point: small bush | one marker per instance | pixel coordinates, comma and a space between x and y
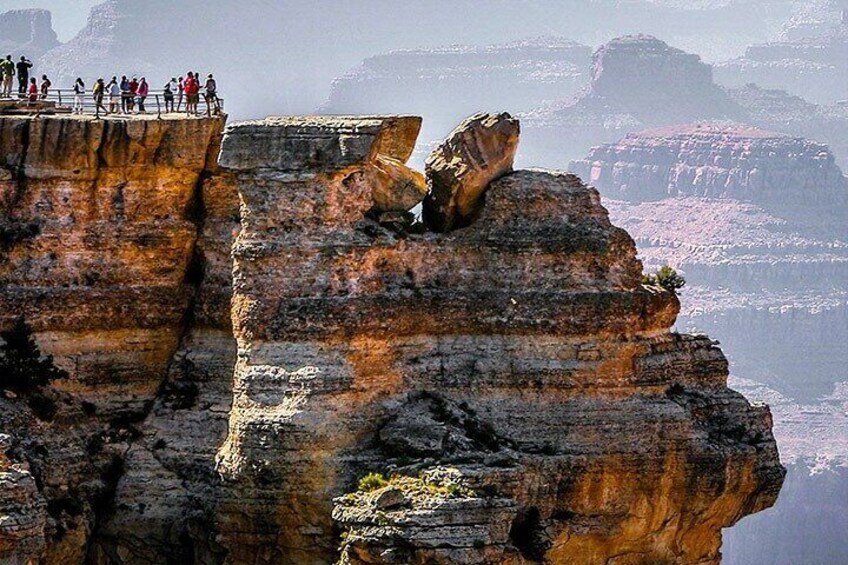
22, 368
372, 482
665, 277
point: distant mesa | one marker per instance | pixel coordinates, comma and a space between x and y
26, 32
715, 160
641, 82
448, 83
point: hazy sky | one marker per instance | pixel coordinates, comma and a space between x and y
69, 16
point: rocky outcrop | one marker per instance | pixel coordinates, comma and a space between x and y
115, 243
715, 161
26, 32
527, 381
777, 110
502, 371
479, 151
99, 228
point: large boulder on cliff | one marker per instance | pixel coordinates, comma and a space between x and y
480, 150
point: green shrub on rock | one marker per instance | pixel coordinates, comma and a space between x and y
665, 277
372, 482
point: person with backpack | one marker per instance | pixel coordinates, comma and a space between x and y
211, 96
133, 93
98, 92
168, 92
23, 67
79, 90
192, 90
143, 91
125, 95
7, 67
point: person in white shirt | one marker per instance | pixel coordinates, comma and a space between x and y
114, 95
79, 90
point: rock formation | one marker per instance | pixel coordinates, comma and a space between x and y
766, 265
640, 82
516, 381
715, 161
479, 151
26, 32
524, 365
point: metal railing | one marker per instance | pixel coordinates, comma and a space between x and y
155, 103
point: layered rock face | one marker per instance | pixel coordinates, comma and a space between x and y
715, 161
516, 365
98, 236
766, 265
27, 32
640, 82
514, 373
114, 242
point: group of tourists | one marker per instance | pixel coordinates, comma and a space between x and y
128, 96
125, 96
28, 87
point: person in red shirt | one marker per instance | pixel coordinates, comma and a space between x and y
192, 92
33, 90
133, 92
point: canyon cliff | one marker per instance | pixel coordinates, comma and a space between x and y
269, 361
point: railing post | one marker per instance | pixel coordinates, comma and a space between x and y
158, 107
60, 97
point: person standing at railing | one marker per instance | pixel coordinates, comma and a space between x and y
211, 96
114, 95
79, 90
168, 93
23, 67
7, 67
45, 86
133, 93
143, 91
180, 92
33, 90
98, 92
192, 92
125, 95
